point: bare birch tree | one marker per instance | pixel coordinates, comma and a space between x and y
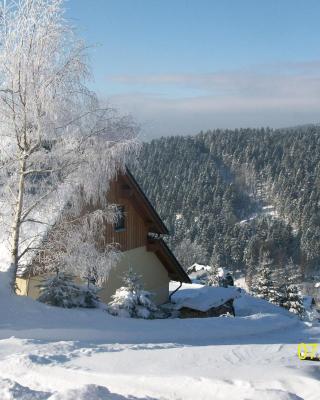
56, 141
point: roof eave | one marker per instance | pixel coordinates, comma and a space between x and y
165, 255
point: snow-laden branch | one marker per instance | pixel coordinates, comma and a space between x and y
58, 146
78, 247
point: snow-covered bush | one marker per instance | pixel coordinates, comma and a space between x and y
131, 300
61, 291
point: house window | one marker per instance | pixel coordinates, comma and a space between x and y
120, 222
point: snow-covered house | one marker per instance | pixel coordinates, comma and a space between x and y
198, 273
138, 232
198, 301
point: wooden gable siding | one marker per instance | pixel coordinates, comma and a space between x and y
136, 230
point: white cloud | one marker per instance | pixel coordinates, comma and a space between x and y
275, 95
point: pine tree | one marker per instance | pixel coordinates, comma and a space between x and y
61, 291
131, 300
294, 301
264, 287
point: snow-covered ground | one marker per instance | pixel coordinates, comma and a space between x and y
59, 354
266, 210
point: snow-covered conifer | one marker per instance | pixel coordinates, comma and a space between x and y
131, 300
61, 291
294, 300
263, 286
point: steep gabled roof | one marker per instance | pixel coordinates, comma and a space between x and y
142, 204
132, 191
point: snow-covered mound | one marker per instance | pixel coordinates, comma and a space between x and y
246, 305
89, 392
11, 390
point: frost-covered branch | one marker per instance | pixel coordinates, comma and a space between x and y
56, 140
78, 248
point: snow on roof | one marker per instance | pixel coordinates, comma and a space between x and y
198, 267
202, 298
197, 271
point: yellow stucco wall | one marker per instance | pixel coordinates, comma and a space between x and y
154, 276
29, 287
22, 286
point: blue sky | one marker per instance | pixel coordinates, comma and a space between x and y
180, 66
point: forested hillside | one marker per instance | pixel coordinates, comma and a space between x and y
230, 197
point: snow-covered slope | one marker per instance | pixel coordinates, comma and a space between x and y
24, 318
259, 366
52, 353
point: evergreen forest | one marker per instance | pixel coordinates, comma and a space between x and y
229, 197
